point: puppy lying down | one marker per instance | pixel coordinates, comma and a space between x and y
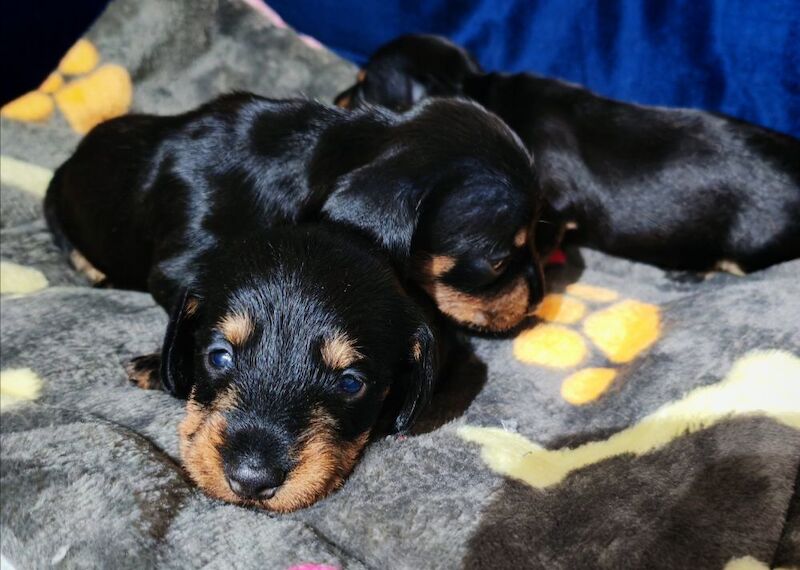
446, 191
285, 340
679, 188
288, 339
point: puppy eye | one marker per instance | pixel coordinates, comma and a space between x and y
220, 358
499, 264
351, 384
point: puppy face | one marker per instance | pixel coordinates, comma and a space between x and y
474, 250
288, 368
476, 257
456, 195
408, 69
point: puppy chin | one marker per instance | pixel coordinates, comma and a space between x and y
322, 461
497, 313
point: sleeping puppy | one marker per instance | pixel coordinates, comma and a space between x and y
678, 188
447, 191
286, 341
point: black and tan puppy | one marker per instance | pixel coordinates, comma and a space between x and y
446, 190
269, 327
286, 341
678, 188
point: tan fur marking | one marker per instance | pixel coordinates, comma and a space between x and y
202, 433
521, 237
143, 378
228, 400
361, 75
344, 102
497, 313
322, 460
339, 352
437, 265
323, 464
730, 267
236, 327
82, 265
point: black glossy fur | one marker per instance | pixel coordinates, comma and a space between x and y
678, 188
276, 422
422, 185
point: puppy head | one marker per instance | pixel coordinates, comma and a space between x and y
404, 71
287, 353
474, 254
474, 250
453, 199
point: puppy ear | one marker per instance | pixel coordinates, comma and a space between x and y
417, 91
421, 381
178, 349
388, 214
401, 92
395, 89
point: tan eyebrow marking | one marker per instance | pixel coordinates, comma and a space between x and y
339, 351
362, 75
236, 328
521, 237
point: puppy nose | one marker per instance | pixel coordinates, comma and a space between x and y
252, 480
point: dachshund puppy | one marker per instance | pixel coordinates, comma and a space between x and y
447, 191
678, 188
286, 340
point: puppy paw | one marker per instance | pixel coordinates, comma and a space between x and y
145, 371
82, 265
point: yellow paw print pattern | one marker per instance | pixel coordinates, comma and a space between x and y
85, 92
18, 385
620, 332
18, 279
765, 383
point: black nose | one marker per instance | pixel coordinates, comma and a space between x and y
251, 479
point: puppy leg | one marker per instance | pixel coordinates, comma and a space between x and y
730, 267
145, 371
82, 265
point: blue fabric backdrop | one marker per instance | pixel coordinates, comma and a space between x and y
740, 57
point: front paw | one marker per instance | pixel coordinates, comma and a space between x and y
145, 371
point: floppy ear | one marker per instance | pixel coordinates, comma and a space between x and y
417, 91
383, 203
402, 91
422, 379
178, 349
395, 89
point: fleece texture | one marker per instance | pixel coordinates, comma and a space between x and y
650, 420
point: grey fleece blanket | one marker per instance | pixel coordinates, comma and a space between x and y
646, 422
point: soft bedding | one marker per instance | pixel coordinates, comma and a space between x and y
650, 420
